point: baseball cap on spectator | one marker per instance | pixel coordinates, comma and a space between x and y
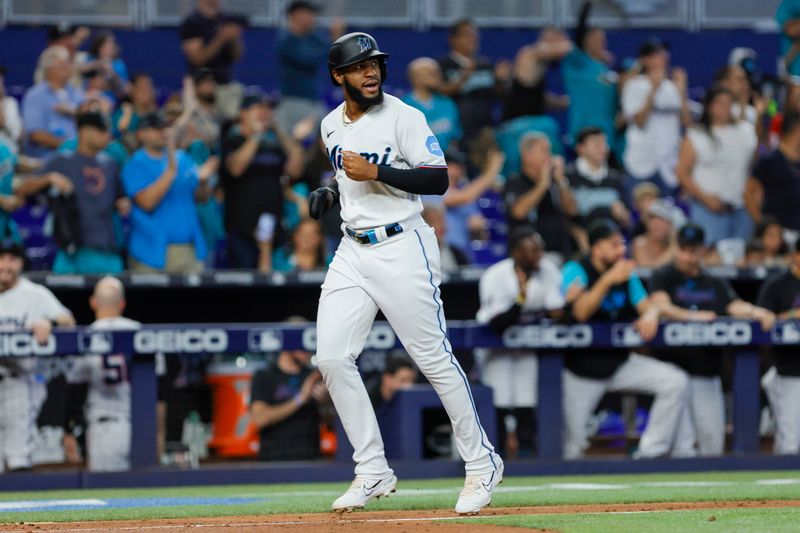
456, 156
643, 190
691, 235
602, 229
256, 99
668, 211
651, 46
152, 120
60, 31
92, 118
10, 246
203, 74
301, 4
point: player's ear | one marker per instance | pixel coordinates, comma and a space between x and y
338, 77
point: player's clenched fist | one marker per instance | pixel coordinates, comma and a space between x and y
358, 168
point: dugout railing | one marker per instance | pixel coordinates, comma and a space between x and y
549, 340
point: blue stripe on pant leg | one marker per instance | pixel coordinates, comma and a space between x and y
450, 353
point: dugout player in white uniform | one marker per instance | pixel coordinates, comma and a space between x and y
685, 292
523, 288
385, 156
24, 305
108, 401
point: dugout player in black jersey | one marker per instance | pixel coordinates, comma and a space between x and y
781, 295
685, 292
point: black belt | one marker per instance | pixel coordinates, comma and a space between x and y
103, 419
374, 236
4, 376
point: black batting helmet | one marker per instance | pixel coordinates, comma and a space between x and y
353, 48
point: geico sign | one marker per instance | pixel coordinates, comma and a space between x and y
23, 344
704, 334
576, 336
181, 341
381, 337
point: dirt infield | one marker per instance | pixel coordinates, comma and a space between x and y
433, 521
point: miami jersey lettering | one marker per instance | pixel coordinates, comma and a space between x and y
392, 134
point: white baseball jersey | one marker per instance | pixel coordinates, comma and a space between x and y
499, 288
393, 134
513, 374
109, 393
26, 303
21, 306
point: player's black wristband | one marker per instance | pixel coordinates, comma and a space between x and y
415, 180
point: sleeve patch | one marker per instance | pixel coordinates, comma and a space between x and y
433, 146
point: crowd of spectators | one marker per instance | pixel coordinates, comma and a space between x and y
216, 175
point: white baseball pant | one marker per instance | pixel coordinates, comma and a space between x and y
665, 381
400, 276
783, 393
16, 422
513, 379
703, 419
108, 443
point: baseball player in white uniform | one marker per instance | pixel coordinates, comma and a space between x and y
385, 156
108, 401
522, 288
24, 305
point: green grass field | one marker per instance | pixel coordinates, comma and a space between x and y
238, 500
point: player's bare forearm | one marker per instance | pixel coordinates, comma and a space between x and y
589, 302
265, 415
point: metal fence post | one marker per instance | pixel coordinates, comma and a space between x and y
144, 395
746, 402
550, 416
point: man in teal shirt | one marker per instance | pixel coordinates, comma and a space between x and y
8, 200
590, 82
788, 18
440, 111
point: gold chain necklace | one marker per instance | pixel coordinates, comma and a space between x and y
347, 121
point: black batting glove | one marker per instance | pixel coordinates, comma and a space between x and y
322, 200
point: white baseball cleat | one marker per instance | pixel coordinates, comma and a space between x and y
477, 491
362, 490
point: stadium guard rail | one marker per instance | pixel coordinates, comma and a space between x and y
548, 339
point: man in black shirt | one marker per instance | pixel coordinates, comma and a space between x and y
284, 406
781, 295
256, 155
211, 39
774, 188
540, 196
685, 292
471, 80
611, 291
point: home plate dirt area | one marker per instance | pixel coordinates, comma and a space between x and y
439, 521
